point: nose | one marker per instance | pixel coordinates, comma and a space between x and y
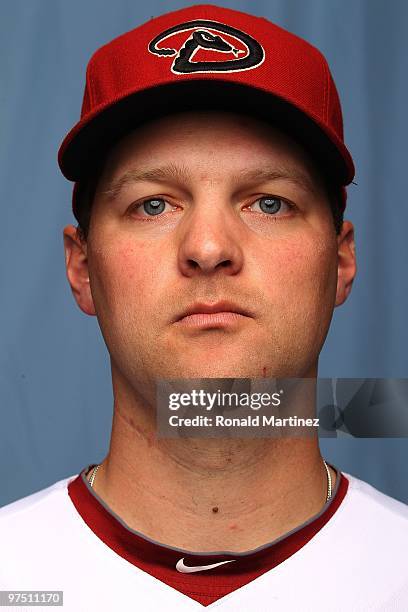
210, 243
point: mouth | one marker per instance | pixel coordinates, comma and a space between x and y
219, 314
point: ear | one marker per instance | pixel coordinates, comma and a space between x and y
76, 264
346, 266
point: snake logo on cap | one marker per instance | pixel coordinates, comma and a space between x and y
207, 40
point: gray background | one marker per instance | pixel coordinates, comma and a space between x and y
55, 388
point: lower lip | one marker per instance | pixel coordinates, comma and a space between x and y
215, 319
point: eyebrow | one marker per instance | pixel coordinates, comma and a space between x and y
162, 174
180, 174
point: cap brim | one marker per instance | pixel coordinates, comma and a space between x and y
90, 140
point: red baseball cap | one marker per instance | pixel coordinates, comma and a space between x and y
208, 57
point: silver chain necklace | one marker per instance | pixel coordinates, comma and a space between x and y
329, 482
329, 479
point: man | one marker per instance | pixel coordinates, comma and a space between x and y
210, 176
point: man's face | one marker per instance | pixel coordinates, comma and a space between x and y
203, 207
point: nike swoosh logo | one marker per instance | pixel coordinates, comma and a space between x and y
186, 569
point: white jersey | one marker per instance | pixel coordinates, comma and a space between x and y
352, 556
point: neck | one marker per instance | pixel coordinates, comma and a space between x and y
208, 494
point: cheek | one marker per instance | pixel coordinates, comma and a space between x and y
120, 281
301, 278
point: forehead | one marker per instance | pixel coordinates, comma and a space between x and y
216, 142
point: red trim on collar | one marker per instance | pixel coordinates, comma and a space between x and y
160, 560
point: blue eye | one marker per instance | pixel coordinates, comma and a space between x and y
272, 205
154, 206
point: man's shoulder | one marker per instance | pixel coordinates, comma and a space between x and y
41, 503
364, 495
368, 513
